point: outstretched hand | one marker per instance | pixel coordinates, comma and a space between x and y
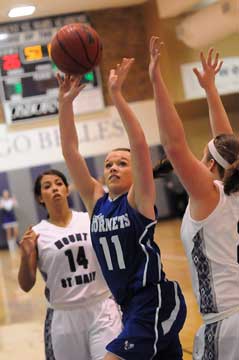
154, 50
117, 76
69, 87
210, 67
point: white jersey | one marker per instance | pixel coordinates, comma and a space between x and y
68, 264
7, 204
212, 247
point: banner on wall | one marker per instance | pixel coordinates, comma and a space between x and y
227, 80
21, 149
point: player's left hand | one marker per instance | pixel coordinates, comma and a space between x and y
210, 67
118, 75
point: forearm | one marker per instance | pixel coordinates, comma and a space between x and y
129, 120
68, 133
75, 162
219, 120
140, 154
170, 126
27, 273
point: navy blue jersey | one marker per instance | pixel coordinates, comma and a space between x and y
123, 241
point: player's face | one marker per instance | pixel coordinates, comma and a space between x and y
53, 190
5, 194
118, 172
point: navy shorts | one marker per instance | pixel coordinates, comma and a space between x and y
152, 322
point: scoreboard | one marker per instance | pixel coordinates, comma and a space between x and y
28, 85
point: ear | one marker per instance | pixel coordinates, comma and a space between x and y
40, 200
68, 191
211, 164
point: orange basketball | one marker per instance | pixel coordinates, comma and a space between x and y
76, 48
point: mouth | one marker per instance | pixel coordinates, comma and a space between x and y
56, 196
113, 177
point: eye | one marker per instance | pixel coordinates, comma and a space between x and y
107, 165
59, 183
46, 186
123, 163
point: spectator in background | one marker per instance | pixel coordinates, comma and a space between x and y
9, 222
176, 194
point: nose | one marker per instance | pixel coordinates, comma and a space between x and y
113, 168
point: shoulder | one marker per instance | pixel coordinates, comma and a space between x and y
43, 224
101, 202
82, 215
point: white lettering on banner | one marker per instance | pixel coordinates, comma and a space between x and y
39, 146
21, 111
227, 80
20, 149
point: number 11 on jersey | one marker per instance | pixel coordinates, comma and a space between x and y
118, 250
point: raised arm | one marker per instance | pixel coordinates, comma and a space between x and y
28, 262
219, 121
187, 166
142, 194
89, 188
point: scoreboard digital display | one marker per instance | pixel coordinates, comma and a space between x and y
28, 85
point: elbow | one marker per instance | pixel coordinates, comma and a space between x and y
26, 286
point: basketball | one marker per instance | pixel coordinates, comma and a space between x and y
76, 48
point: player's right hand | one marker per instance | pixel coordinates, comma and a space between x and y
69, 87
28, 242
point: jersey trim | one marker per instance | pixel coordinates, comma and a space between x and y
208, 303
156, 321
49, 352
145, 251
211, 338
167, 324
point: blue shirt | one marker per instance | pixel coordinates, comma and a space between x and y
123, 240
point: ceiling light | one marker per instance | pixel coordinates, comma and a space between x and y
21, 11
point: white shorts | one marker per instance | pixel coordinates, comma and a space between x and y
218, 341
83, 333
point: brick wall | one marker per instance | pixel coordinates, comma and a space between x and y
124, 35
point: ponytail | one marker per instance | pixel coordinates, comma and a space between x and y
231, 178
162, 168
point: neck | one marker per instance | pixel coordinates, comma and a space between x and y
114, 196
61, 217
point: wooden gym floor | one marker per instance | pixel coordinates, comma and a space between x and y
22, 314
